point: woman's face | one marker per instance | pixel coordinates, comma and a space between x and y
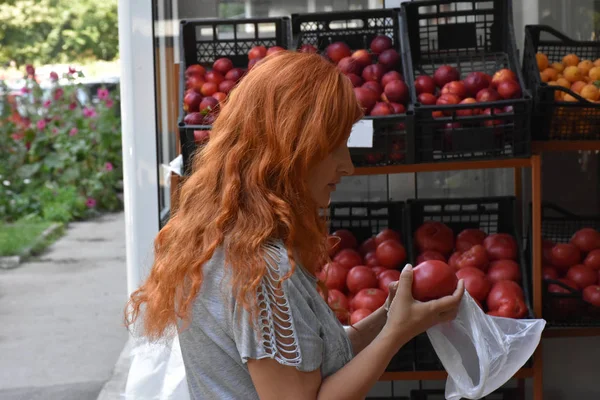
324, 177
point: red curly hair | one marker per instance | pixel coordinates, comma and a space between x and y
249, 185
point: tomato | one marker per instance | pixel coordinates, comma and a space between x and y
337, 300
547, 251
387, 234
582, 276
359, 315
501, 246
391, 254
387, 277
453, 260
504, 270
501, 291
586, 239
348, 258
593, 260
476, 283
565, 255
347, 239
475, 257
555, 288
334, 276
360, 277
550, 272
512, 307
434, 235
370, 299
469, 238
432, 280
371, 259
367, 246
591, 294
378, 270
430, 255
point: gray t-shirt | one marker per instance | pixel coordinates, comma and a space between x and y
298, 329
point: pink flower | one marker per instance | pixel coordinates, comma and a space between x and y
73, 132
54, 131
89, 112
110, 103
25, 90
103, 94
53, 76
58, 93
41, 124
72, 106
72, 71
108, 166
47, 103
90, 202
30, 70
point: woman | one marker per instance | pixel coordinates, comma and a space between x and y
235, 269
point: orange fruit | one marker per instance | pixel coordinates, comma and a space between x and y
577, 86
572, 74
564, 83
570, 60
542, 61
585, 67
568, 97
558, 95
558, 66
549, 74
597, 63
594, 73
590, 92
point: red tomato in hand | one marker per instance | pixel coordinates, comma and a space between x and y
337, 300
391, 254
501, 246
359, 278
334, 276
387, 234
453, 260
565, 255
469, 238
475, 257
367, 246
371, 259
547, 251
586, 240
348, 258
593, 260
550, 272
433, 280
371, 299
501, 291
502, 270
582, 276
430, 255
434, 235
476, 283
511, 307
359, 315
347, 239
387, 277
591, 294
555, 288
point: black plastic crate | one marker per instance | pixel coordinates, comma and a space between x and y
438, 394
565, 309
202, 41
472, 35
552, 119
391, 144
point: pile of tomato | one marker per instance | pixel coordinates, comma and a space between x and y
576, 265
358, 276
488, 264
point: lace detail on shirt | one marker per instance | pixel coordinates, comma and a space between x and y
275, 315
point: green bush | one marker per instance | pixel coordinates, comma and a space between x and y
59, 159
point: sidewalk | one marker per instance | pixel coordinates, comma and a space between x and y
61, 328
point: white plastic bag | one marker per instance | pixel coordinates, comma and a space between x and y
480, 352
157, 372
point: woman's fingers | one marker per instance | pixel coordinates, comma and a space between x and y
449, 302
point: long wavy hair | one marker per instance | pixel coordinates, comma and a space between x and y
249, 185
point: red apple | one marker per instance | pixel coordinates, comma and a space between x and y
194, 118
424, 84
191, 101
366, 98
391, 76
274, 49
492, 122
427, 99
209, 88
389, 58
398, 108
380, 44
468, 112
214, 77
476, 81
382, 108
355, 79
373, 72
374, 86
362, 57
445, 74
349, 65
308, 48
338, 50
195, 82
201, 136
447, 99
234, 75
222, 65
509, 89
455, 87
396, 91
195, 70
257, 52
253, 62
220, 96
485, 95
503, 75
226, 86
208, 103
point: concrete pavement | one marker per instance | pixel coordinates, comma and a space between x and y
61, 329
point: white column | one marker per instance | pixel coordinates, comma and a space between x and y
138, 125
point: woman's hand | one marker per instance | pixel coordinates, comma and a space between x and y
407, 316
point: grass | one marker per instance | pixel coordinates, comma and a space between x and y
16, 237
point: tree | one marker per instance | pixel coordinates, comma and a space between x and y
50, 31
